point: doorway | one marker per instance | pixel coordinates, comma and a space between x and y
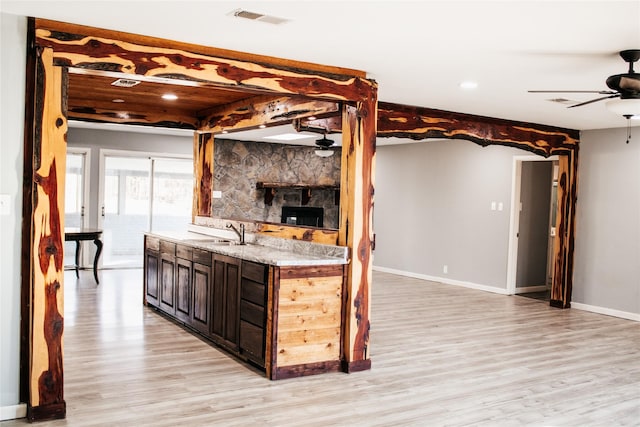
76, 210
532, 230
140, 193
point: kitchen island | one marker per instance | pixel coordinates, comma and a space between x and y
274, 303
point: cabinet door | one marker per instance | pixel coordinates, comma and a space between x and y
151, 289
183, 290
253, 302
226, 299
167, 280
201, 308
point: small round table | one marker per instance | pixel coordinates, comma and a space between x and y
74, 234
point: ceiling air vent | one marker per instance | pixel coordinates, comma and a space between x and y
254, 16
125, 83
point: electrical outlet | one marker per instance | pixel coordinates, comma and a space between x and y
5, 204
217, 194
445, 269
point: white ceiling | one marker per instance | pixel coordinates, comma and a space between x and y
417, 51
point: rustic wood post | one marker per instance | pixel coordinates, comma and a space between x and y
44, 236
356, 227
203, 174
565, 230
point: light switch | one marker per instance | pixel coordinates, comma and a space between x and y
500, 206
493, 206
5, 204
217, 194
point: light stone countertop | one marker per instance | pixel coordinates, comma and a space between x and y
256, 252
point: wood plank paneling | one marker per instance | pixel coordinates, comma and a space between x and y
309, 320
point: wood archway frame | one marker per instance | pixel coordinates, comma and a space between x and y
418, 123
55, 48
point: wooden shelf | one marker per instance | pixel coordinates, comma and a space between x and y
270, 189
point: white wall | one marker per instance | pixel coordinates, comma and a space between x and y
607, 254
12, 87
433, 208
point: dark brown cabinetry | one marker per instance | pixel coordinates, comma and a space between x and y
183, 283
225, 303
201, 295
253, 313
167, 276
151, 261
220, 297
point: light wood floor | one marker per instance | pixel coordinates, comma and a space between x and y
441, 355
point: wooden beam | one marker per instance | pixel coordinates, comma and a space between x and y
137, 39
419, 123
356, 227
562, 283
269, 111
307, 234
168, 120
84, 49
203, 175
45, 213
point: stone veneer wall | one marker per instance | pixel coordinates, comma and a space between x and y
238, 165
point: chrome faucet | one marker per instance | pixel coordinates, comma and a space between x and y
240, 232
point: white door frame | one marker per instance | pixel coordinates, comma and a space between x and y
86, 182
514, 222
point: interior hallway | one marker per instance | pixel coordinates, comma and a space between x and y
441, 355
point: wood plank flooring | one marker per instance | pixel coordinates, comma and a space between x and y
441, 356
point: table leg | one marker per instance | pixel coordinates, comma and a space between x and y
77, 257
98, 244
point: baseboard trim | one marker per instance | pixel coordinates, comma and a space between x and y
12, 412
606, 311
526, 289
444, 280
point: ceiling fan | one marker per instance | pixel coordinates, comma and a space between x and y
624, 86
323, 145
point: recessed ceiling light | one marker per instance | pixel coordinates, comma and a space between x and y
169, 97
262, 126
288, 136
117, 100
468, 85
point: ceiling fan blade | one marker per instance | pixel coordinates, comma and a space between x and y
631, 84
594, 100
601, 92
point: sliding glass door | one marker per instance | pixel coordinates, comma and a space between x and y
141, 194
75, 196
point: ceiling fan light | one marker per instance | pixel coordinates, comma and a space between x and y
324, 153
624, 107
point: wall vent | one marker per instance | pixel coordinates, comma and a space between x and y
254, 16
125, 83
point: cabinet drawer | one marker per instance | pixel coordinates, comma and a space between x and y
252, 340
184, 252
152, 243
252, 313
202, 256
252, 291
253, 271
167, 247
